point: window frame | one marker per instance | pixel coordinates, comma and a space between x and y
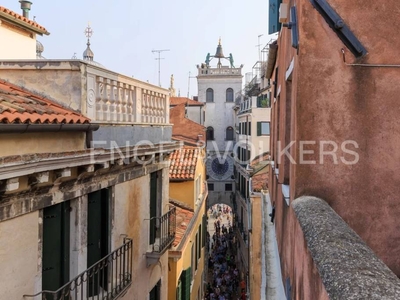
210, 136
230, 130
230, 91
209, 95
259, 128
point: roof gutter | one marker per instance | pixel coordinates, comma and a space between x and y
273, 50
25, 128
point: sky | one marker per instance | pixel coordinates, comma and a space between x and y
125, 33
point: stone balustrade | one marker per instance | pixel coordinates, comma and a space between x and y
125, 100
220, 71
105, 96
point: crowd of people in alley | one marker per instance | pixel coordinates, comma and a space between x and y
225, 279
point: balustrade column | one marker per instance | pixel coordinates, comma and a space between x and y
118, 101
138, 94
166, 109
124, 102
131, 110
113, 105
105, 100
99, 100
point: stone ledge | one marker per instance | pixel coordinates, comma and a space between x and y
348, 268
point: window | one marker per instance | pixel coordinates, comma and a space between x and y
263, 128
240, 128
229, 133
249, 128
273, 18
210, 95
210, 186
186, 279
196, 251
228, 187
210, 134
203, 241
155, 293
154, 205
55, 255
229, 95
199, 243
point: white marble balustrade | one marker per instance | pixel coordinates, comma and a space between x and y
125, 101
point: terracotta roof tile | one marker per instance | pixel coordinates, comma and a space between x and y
183, 163
183, 218
29, 22
21, 106
179, 100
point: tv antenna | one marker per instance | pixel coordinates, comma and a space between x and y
159, 63
259, 44
189, 83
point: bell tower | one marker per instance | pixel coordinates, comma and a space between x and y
218, 84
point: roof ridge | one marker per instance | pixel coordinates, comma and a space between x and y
180, 204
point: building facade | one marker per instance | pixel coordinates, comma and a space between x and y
84, 178
334, 136
188, 192
252, 145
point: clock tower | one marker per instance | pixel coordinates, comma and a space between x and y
218, 82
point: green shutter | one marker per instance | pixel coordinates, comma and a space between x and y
55, 255
258, 128
273, 16
153, 206
199, 242
196, 255
186, 278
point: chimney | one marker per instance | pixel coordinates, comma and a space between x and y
26, 7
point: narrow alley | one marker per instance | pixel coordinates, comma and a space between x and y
223, 278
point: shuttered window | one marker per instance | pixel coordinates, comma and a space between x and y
186, 278
263, 128
273, 16
203, 242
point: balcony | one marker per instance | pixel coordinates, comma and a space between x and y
165, 229
107, 279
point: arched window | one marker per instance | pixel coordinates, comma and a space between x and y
229, 95
210, 95
210, 134
229, 133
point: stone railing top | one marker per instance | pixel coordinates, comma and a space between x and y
220, 71
75, 64
348, 268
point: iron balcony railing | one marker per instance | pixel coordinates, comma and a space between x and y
107, 279
165, 227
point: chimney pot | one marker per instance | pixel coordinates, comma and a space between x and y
26, 7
